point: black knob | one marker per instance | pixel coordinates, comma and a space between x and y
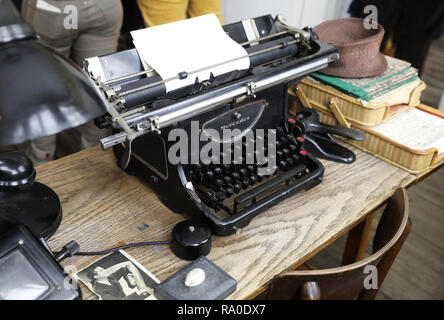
191, 239
16, 171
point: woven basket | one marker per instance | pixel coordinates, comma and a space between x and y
410, 160
354, 110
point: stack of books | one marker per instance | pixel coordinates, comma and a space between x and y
398, 73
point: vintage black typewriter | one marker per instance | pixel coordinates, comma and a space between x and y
227, 195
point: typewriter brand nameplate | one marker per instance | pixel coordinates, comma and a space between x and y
234, 124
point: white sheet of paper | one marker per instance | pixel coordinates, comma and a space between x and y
95, 67
187, 46
416, 129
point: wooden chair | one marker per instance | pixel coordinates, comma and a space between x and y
347, 282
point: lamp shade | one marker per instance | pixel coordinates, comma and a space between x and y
41, 91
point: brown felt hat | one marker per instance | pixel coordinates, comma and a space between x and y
359, 55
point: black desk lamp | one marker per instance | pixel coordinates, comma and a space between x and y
41, 93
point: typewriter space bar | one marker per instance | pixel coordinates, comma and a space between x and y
253, 193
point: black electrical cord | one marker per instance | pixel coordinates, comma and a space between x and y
131, 245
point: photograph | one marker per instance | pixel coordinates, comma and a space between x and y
118, 276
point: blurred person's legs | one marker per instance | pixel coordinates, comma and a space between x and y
42, 150
100, 29
97, 33
47, 19
156, 12
101, 35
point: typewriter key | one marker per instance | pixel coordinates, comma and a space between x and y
293, 148
227, 180
259, 178
209, 174
218, 182
283, 165
237, 187
221, 196
252, 179
243, 172
229, 192
235, 175
284, 140
217, 170
290, 161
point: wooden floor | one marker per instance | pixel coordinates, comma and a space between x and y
433, 74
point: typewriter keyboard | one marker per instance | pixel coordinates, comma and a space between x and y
231, 187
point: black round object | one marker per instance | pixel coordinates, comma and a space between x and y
37, 207
16, 170
191, 239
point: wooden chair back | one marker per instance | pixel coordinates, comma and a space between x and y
347, 282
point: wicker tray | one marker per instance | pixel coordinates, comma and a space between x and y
356, 111
410, 160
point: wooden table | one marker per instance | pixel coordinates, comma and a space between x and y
104, 208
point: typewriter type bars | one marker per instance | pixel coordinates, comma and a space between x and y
140, 110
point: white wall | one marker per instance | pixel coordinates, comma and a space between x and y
299, 13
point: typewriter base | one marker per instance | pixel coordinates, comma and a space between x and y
175, 196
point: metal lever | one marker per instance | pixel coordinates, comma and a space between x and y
308, 120
327, 148
282, 25
318, 136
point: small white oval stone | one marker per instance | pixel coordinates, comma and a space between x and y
195, 277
